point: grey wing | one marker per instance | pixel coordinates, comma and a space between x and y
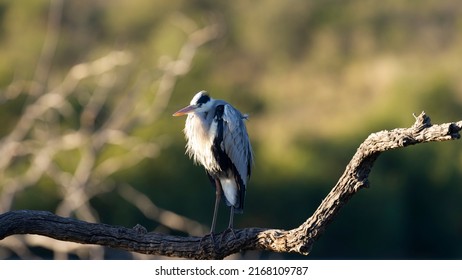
236, 141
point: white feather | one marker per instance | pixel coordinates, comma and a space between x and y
229, 190
199, 142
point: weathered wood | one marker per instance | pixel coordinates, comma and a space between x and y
299, 240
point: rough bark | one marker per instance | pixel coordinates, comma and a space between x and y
297, 240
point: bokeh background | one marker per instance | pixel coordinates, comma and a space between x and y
88, 89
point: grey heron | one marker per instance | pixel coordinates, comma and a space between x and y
217, 139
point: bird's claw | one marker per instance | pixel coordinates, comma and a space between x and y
225, 233
205, 237
223, 238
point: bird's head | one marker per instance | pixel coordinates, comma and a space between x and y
201, 102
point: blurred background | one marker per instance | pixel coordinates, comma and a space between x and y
88, 89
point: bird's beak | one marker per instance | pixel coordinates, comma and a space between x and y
185, 110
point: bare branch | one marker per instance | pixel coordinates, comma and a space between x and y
48, 49
164, 217
298, 240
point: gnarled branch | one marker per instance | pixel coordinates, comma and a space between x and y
298, 240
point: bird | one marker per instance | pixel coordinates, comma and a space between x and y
217, 139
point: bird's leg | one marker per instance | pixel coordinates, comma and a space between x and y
231, 218
230, 226
231, 222
218, 194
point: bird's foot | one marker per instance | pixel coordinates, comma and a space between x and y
224, 234
204, 238
223, 238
